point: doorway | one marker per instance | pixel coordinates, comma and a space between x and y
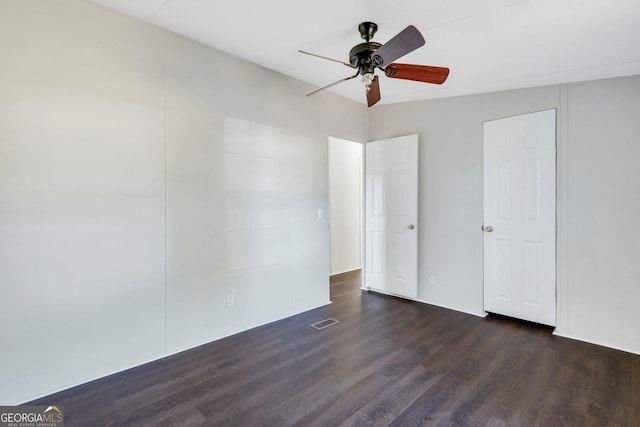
345, 205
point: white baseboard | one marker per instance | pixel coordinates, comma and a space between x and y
165, 355
571, 337
482, 314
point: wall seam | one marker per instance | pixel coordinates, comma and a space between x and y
164, 133
562, 237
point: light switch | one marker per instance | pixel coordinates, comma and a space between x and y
320, 214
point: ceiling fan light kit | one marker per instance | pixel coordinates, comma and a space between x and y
367, 56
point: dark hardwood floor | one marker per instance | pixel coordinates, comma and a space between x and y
388, 362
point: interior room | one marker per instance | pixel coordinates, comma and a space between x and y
165, 197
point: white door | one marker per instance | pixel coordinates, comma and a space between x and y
391, 215
520, 217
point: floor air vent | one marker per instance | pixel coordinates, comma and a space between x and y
325, 323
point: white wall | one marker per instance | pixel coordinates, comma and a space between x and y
601, 235
81, 196
598, 199
247, 170
345, 204
143, 177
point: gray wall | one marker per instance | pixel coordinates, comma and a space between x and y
143, 178
598, 199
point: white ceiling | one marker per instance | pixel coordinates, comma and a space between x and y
489, 45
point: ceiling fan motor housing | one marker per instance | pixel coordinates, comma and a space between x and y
360, 56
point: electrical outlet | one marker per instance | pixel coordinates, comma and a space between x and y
432, 279
230, 300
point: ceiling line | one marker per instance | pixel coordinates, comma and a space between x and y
153, 15
564, 71
462, 18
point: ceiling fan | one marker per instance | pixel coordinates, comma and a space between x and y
367, 56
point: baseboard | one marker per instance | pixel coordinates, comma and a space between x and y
626, 350
345, 274
484, 314
166, 355
378, 291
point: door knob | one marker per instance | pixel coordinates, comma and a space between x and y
411, 226
488, 228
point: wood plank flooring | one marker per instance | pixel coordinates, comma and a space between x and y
388, 362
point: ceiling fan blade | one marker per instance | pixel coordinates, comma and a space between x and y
330, 59
335, 83
402, 43
419, 73
373, 92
